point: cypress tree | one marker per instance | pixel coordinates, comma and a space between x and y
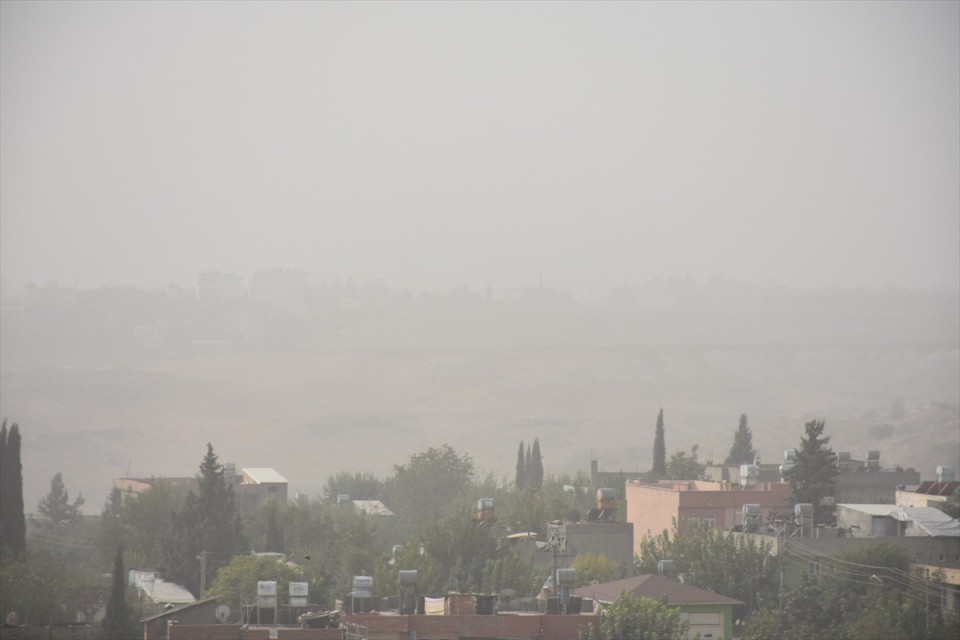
116, 623
521, 479
527, 465
536, 466
814, 473
3, 487
742, 451
659, 469
13, 530
207, 521
275, 540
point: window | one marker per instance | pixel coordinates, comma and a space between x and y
693, 523
709, 522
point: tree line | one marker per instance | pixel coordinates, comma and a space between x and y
435, 531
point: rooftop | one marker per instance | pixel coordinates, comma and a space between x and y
654, 587
175, 610
264, 475
159, 590
931, 520
932, 488
372, 507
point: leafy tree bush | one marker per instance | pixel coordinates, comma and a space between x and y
457, 553
951, 506
358, 485
423, 488
56, 505
238, 580
633, 618
862, 594
685, 467
599, 567
140, 523
733, 565
36, 584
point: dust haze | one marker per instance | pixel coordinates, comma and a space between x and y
324, 236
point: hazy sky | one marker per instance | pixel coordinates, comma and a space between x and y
428, 145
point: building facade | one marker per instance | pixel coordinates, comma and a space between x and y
689, 505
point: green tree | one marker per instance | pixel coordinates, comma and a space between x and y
763, 624
527, 512
13, 532
142, 523
238, 579
735, 566
424, 487
36, 584
659, 469
359, 486
742, 451
56, 505
507, 571
814, 473
274, 538
265, 528
633, 618
521, 478
808, 614
535, 470
117, 623
685, 467
951, 506
207, 521
591, 566
450, 554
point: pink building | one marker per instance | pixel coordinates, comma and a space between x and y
692, 504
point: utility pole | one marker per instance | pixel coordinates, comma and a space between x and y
203, 572
781, 534
781, 528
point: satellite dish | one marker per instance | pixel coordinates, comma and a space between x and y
223, 612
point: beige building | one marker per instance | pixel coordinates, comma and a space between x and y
693, 504
258, 486
926, 494
252, 487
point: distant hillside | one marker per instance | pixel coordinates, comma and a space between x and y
362, 389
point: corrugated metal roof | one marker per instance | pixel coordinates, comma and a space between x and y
264, 475
933, 521
176, 610
371, 507
870, 509
654, 587
159, 590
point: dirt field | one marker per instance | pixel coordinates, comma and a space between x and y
311, 413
